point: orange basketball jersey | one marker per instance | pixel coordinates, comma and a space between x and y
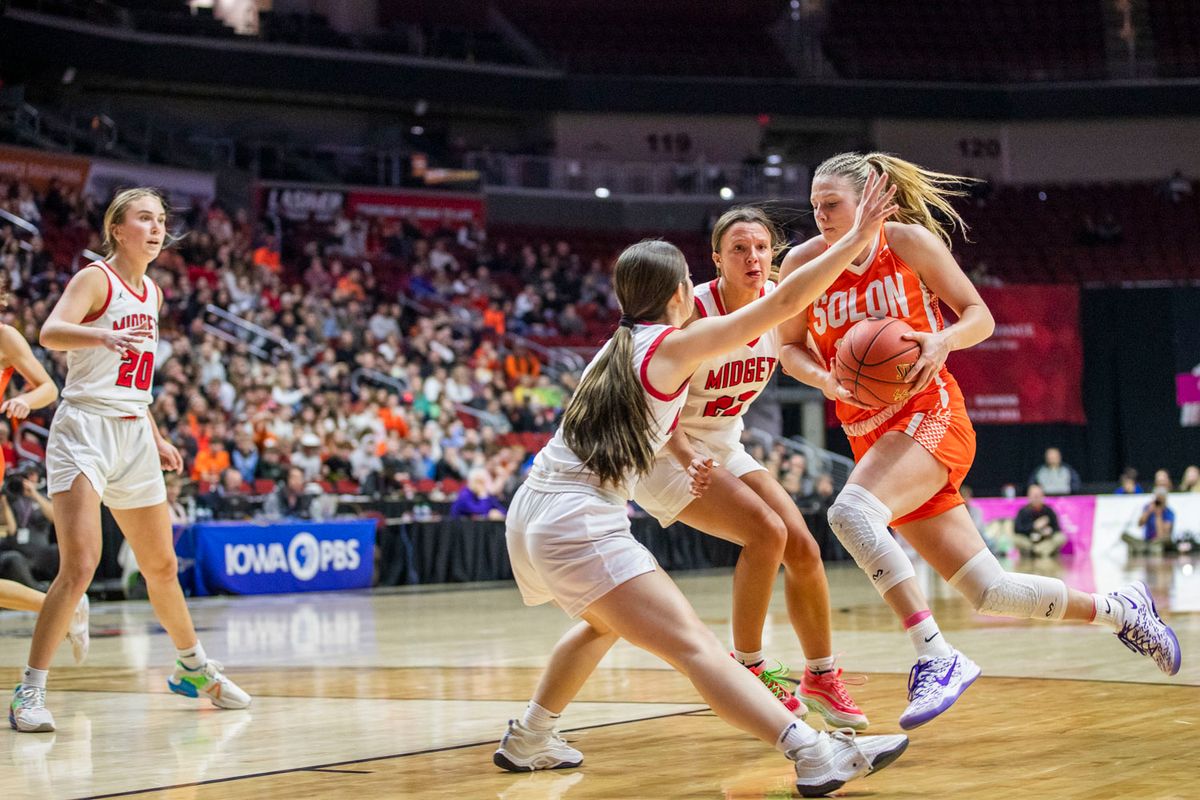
886, 287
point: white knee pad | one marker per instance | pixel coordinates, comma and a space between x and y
860, 521
997, 593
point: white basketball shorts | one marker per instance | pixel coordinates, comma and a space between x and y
117, 455
571, 548
665, 491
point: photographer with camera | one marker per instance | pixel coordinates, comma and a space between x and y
29, 520
1157, 523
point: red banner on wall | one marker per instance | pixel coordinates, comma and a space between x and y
38, 168
427, 210
1031, 369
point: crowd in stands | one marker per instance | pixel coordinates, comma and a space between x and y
392, 367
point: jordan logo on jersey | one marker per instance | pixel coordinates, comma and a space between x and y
882, 298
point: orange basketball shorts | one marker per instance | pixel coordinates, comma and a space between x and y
937, 420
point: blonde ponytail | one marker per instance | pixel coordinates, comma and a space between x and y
919, 192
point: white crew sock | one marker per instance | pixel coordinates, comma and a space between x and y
34, 677
928, 640
193, 657
539, 719
794, 736
749, 659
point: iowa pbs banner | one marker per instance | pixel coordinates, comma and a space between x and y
246, 558
1031, 369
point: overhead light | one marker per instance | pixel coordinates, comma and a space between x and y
726, 193
774, 158
417, 130
602, 192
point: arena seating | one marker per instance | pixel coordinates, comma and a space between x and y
1008, 40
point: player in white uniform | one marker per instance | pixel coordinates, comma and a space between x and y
744, 504
569, 538
105, 446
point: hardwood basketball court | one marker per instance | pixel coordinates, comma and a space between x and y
405, 694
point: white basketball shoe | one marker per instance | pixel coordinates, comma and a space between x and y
838, 757
525, 750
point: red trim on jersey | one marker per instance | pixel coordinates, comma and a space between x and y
700, 307
107, 300
715, 291
655, 393
158, 290
145, 292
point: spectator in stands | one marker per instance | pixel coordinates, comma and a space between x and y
245, 456
1190, 482
476, 499
1055, 477
1036, 530
290, 500
308, 457
1127, 484
1157, 523
270, 466
823, 494
520, 363
267, 255
1162, 480
181, 509
229, 500
211, 460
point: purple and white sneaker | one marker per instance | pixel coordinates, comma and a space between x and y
1144, 632
934, 685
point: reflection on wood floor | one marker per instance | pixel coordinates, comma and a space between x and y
404, 694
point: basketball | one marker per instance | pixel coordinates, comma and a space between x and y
873, 362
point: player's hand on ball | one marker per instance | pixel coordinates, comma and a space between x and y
700, 471
169, 457
15, 408
934, 350
835, 391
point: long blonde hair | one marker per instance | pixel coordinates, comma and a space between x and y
919, 191
608, 423
115, 215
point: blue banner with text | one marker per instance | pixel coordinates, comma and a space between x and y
286, 556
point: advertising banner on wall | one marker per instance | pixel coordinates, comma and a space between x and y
427, 210
288, 556
181, 186
1031, 369
38, 168
1184, 304
1076, 515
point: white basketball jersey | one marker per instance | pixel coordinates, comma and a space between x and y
724, 387
557, 468
116, 384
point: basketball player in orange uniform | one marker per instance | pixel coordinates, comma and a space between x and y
105, 447
912, 456
40, 391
